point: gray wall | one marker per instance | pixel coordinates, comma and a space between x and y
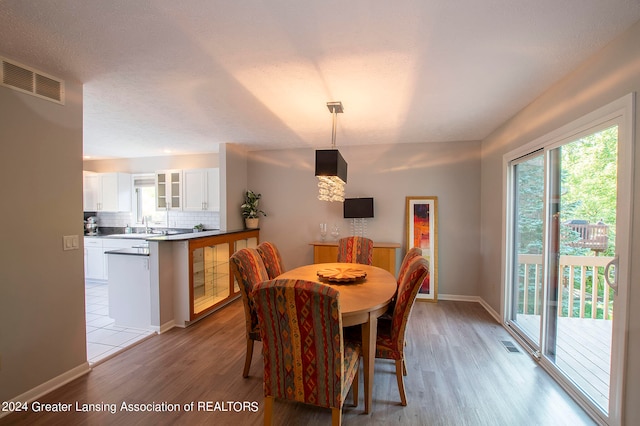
42, 325
389, 173
607, 76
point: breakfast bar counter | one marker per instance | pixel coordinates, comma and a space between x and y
190, 276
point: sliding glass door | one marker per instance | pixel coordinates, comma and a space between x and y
568, 222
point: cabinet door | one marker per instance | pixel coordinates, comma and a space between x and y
169, 190
92, 192
194, 189
109, 182
201, 189
93, 259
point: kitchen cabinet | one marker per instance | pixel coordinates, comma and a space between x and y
108, 192
129, 289
93, 259
201, 189
96, 263
169, 190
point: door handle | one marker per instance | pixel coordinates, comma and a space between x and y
607, 276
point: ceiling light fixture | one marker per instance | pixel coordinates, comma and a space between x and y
331, 169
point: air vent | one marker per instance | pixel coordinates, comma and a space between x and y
509, 346
28, 80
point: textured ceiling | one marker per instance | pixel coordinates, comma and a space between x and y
187, 75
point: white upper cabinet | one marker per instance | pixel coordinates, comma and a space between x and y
107, 192
201, 189
169, 189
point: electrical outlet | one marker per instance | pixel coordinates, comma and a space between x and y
70, 242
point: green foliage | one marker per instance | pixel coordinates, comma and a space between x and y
250, 208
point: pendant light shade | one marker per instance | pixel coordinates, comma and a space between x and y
331, 168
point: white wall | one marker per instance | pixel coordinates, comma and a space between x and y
607, 76
233, 184
42, 325
389, 173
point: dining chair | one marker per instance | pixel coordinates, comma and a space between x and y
390, 341
413, 252
355, 249
249, 271
306, 358
271, 259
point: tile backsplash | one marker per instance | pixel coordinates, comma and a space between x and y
177, 219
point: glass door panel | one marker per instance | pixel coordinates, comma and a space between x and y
582, 212
528, 214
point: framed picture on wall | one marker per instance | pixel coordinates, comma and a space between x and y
422, 232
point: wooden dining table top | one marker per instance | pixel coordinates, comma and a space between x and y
361, 296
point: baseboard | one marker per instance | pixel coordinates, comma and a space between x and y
165, 327
50, 385
477, 299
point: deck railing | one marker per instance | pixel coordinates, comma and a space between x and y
584, 292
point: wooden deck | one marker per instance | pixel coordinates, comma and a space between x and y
583, 352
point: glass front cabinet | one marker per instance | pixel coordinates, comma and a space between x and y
212, 284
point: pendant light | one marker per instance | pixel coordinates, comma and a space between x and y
331, 169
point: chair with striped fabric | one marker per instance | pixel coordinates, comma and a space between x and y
249, 271
271, 259
390, 341
355, 249
414, 252
305, 356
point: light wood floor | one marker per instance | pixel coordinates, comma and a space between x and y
459, 373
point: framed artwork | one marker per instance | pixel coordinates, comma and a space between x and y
422, 232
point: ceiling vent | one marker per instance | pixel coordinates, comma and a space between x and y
30, 81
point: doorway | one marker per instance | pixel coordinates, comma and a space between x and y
567, 253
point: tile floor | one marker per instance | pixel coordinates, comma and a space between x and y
104, 338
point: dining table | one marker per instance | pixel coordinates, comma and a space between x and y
365, 293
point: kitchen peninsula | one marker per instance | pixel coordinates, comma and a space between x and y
189, 274
157, 282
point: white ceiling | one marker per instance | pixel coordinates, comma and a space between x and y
187, 75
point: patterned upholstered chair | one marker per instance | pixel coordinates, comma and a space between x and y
305, 357
414, 252
391, 334
249, 271
355, 249
271, 259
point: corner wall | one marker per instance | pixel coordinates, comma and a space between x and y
605, 77
389, 173
42, 322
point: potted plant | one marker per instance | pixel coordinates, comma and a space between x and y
250, 210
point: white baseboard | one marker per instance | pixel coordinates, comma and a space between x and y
50, 385
165, 327
477, 299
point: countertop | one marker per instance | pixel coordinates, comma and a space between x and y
142, 251
169, 237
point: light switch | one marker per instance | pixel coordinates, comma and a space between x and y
71, 242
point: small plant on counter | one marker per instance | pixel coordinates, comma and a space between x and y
250, 210
250, 207
198, 228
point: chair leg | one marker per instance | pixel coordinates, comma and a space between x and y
268, 410
404, 367
403, 397
336, 417
248, 357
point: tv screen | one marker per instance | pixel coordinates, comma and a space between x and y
358, 207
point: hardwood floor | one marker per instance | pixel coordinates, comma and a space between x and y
459, 373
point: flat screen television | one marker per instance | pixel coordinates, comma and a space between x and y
358, 207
